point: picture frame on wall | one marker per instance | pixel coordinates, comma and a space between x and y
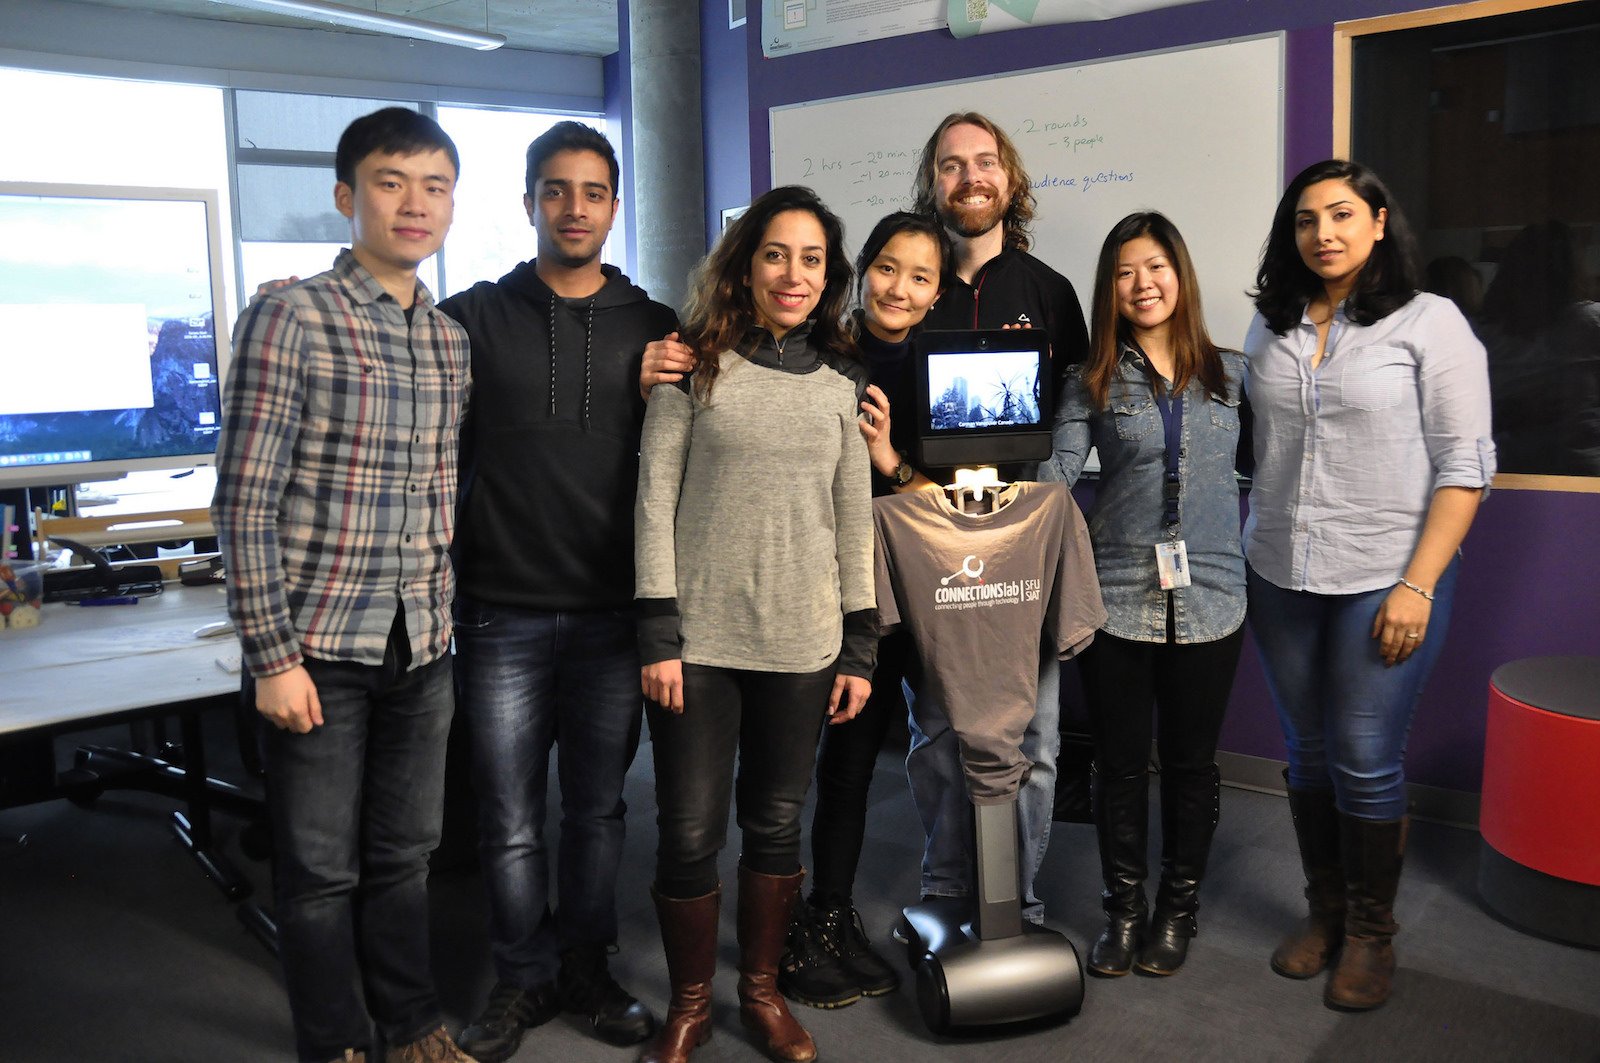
729, 214
736, 14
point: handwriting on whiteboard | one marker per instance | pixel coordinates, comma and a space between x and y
874, 172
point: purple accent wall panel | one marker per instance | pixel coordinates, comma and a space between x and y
725, 103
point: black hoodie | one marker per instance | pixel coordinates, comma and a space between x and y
550, 450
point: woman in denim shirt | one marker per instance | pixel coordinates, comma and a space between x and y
1160, 403
1373, 449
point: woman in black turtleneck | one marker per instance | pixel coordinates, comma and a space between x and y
830, 962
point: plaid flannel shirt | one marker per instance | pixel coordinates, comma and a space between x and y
336, 471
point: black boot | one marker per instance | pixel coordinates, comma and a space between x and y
1121, 806
847, 938
1306, 950
1190, 804
1373, 852
811, 970
587, 988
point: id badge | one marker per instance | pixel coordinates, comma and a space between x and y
1172, 564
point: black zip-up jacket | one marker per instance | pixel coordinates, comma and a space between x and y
1014, 288
550, 448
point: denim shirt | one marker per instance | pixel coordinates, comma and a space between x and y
1126, 520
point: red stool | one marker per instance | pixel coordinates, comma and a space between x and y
1539, 866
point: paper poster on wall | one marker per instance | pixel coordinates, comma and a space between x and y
971, 17
791, 26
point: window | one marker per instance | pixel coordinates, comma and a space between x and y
283, 146
269, 155
1486, 126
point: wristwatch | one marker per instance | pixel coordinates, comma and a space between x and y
903, 473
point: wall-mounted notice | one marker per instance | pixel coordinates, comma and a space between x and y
790, 26
1196, 134
971, 17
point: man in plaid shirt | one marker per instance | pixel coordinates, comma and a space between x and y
336, 492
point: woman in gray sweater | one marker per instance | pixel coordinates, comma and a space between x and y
755, 594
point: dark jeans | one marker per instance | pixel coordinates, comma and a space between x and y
355, 807
770, 721
1345, 714
844, 774
529, 680
1186, 684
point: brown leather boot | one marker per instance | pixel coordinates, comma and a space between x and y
1307, 949
689, 934
765, 903
1373, 851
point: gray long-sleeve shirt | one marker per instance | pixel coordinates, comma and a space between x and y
755, 512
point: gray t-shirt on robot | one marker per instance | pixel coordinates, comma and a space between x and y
975, 590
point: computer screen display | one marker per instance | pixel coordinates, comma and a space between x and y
111, 358
983, 389
981, 398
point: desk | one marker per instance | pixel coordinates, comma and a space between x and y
85, 667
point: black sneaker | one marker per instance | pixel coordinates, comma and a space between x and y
511, 1010
587, 988
810, 971
848, 940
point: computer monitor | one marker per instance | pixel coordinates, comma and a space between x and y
981, 398
111, 357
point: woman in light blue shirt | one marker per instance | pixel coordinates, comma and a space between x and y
1373, 449
1160, 403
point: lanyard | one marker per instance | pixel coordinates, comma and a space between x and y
1172, 432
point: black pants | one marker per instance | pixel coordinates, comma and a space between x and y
770, 722
844, 773
1187, 684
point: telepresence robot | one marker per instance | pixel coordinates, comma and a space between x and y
981, 965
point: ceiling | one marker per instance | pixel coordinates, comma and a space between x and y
578, 27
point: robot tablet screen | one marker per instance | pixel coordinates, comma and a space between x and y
982, 402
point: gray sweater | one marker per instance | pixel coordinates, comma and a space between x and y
754, 514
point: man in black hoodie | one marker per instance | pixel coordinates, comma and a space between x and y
544, 628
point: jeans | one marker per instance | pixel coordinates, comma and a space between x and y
355, 807
844, 773
771, 721
530, 680
1345, 715
939, 789
1186, 683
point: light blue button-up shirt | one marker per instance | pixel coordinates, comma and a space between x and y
1349, 455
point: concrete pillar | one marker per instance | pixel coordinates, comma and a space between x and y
669, 203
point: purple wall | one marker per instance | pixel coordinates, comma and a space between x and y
1528, 586
725, 111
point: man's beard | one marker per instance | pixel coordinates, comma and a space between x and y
968, 222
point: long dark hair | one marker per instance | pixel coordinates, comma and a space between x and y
892, 225
1193, 353
1018, 216
1389, 280
720, 309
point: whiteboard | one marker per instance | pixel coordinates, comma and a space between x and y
1195, 133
